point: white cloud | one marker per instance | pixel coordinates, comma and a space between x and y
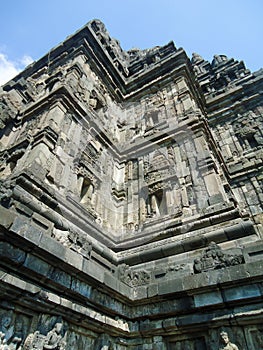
26, 60
9, 69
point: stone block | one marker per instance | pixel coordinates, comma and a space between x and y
208, 299
194, 281
127, 157
24, 210
19, 283
216, 198
43, 223
153, 290
31, 288
9, 252
169, 324
52, 247
80, 287
74, 260
166, 287
125, 290
94, 270
7, 217
139, 292
194, 242
20, 226
224, 276
240, 293
37, 266
62, 278
196, 319
254, 253
110, 280
53, 298
67, 304
254, 269
145, 325
32, 234
237, 272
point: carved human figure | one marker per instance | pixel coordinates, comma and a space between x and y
103, 342
227, 345
54, 339
16, 341
3, 345
7, 327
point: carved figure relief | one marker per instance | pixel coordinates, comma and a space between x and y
226, 344
131, 277
248, 130
12, 332
54, 340
36, 87
214, 258
7, 327
103, 342
6, 113
80, 244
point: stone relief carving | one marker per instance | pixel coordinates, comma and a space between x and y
91, 154
214, 258
84, 88
6, 112
170, 270
8, 161
13, 331
96, 100
142, 59
103, 342
7, 328
54, 340
224, 73
120, 57
119, 191
74, 241
132, 278
248, 128
226, 344
36, 87
254, 337
80, 244
218, 59
11, 334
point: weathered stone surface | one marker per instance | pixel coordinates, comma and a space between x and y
131, 200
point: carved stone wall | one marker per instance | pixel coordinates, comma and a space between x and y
131, 200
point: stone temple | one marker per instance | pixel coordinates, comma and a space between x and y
131, 200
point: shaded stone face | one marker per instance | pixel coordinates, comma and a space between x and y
131, 200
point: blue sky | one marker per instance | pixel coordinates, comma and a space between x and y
29, 29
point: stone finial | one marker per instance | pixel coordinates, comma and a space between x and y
219, 59
196, 58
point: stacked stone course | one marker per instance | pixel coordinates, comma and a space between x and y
131, 200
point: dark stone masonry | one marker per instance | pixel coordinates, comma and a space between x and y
131, 200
